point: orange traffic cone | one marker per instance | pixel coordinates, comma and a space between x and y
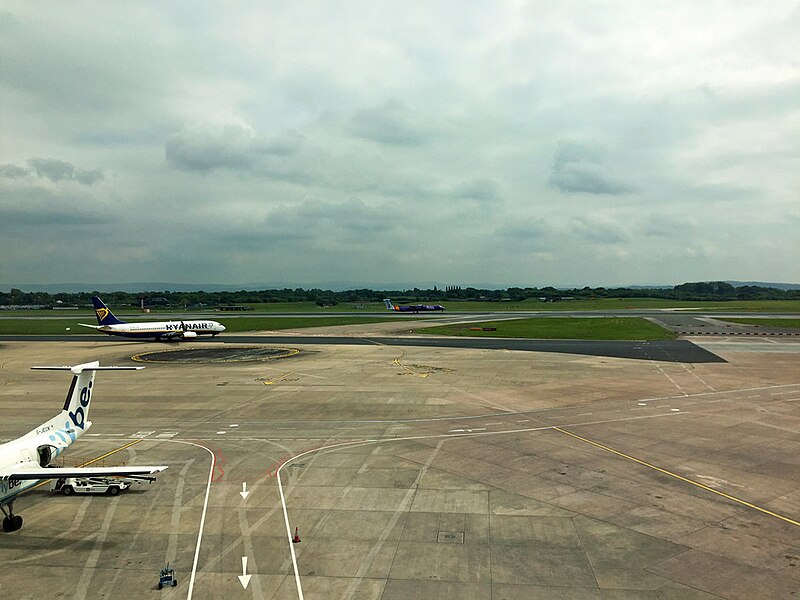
296, 537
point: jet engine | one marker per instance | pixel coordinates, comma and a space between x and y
188, 335
46, 454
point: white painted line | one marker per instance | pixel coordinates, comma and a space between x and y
202, 516
524, 421
642, 403
675, 409
167, 434
221, 432
333, 447
288, 527
142, 434
233, 425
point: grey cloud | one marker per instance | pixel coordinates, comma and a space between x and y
391, 124
669, 227
23, 204
580, 169
525, 229
351, 216
598, 230
53, 169
13, 172
482, 190
405, 141
88, 177
288, 144
205, 147
18, 216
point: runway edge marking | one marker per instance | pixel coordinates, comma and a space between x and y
679, 477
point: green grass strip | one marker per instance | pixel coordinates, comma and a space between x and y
560, 328
22, 326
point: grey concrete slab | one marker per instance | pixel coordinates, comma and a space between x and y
465, 562
496, 512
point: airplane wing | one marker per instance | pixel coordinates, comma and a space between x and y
58, 472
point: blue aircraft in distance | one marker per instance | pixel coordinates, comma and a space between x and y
413, 308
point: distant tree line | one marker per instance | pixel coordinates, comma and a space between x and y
700, 291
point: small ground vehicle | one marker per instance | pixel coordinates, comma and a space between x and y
90, 485
167, 577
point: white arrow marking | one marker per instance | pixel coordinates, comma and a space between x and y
244, 578
244, 493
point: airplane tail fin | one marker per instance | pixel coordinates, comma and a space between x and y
388, 303
104, 314
79, 396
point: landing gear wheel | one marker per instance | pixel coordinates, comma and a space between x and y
12, 523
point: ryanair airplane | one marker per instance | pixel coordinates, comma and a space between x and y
158, 330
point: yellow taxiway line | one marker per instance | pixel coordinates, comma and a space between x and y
680, 477
277, 379
88, 462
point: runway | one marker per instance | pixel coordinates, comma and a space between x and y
665, 350
420, 472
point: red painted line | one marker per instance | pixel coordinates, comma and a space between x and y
219, 460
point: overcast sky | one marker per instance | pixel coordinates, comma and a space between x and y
509, 143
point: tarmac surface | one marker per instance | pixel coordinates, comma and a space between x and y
420, 472
662, 350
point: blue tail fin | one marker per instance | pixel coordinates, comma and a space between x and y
104, 315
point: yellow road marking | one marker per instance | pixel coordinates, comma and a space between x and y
102, 456
408, 370
88, 462
680, 477
277, 379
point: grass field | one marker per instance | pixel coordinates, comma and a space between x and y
787, 323
621, 328
24, 326
792, 306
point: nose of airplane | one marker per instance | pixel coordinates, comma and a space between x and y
222, 327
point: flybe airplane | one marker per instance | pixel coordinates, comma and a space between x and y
25, 462
158, 330
415, 308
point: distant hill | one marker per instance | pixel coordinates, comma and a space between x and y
777, 286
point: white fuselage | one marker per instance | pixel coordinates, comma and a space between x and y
164, 329
56, 436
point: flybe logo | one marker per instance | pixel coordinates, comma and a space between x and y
101, 313
78, 417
